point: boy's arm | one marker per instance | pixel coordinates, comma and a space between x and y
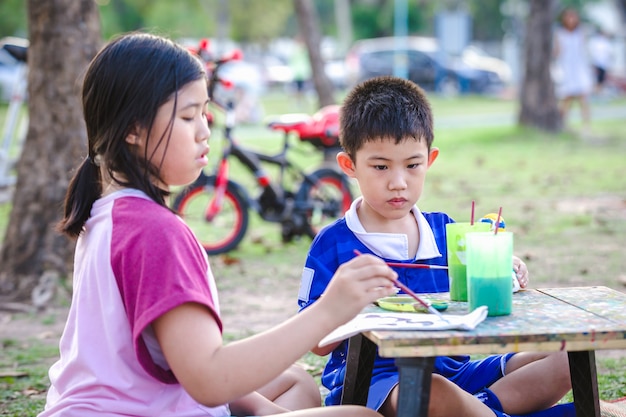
521, 271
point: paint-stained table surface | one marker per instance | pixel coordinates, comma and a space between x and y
579, 320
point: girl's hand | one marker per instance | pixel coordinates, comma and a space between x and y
521, 271
357, 283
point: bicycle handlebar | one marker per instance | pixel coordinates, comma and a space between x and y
212, 63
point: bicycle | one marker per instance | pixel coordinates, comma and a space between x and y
217, 207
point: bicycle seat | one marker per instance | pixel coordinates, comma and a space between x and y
291, 122
16, 47
321, 129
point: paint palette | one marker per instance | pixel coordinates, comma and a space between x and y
408, 304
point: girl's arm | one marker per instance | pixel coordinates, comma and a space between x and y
214, 374
323, 351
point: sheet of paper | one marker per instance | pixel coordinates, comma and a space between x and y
404, 321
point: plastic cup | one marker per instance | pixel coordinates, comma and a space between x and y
455, 242
489, 263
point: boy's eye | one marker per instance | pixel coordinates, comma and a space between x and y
413, 166
380, 167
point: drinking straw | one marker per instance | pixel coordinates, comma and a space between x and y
472, 215
498, 221
416, 297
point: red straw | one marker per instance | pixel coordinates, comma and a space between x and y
472, 216
498, 221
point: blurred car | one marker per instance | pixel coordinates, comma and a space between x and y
245, 86
428, 66
277, 71
476, 57
336, 72
10, 68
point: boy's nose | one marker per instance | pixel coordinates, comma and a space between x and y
397, 182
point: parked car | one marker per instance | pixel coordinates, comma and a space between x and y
428, 65
10, 68
278, 72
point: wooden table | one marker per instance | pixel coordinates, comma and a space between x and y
579, 320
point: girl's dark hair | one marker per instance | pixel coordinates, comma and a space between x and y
384, 107
124, 86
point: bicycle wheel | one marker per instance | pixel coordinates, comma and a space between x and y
227, 228
323, 198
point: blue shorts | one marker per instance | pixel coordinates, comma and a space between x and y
472, 376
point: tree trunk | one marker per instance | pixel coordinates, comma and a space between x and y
538, 103
310, 31
64, 35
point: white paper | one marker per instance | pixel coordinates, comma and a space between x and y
404, 321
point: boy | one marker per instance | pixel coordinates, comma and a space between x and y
386, 131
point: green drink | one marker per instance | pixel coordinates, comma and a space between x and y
455, 243
495, 293
489, 264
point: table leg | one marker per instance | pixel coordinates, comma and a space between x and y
415, 381
359, 366
582, 366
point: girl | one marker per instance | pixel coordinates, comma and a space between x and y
576, 83
144, 335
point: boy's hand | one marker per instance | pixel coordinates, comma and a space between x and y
521, 271
357, 283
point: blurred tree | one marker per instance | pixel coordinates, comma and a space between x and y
374, 18
64, 35
309, 29
246, 24
173, 19
119, 16
538, 103
486, 19
12, 18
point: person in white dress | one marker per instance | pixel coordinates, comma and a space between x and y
570, 51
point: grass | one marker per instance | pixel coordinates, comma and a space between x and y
562, 196
24, 376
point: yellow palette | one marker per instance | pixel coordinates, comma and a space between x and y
408, 304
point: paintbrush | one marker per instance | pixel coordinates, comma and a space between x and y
417, 266
410, 292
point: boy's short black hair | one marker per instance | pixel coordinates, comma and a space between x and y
384, 107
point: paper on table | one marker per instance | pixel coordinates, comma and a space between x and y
404, 321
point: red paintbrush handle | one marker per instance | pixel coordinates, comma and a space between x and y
418, 266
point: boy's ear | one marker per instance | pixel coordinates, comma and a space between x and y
345, 164
434, 153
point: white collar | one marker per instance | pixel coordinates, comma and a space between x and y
394, 245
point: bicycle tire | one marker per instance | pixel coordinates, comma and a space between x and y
323, 199
227, 229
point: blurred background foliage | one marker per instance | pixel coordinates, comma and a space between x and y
262, 20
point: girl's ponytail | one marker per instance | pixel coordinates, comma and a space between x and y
83, 191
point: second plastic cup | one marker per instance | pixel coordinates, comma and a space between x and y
489, 263
455, 242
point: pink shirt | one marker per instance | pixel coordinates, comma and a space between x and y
134, 261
